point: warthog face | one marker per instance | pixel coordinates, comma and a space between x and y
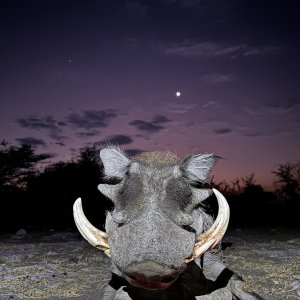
156, 226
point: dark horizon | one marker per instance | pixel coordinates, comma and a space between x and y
37, 200
51, 161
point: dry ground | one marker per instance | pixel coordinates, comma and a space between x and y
63, 266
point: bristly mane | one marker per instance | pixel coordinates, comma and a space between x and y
157, 159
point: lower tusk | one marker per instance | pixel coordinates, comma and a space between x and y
215, 233
94, 236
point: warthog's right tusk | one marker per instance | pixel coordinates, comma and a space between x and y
94, 236
215, 233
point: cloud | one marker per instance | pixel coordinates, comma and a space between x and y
31, 141
146, 126
87, 134
55, 135
257, 134
192, 48
90, 119
221, 131
160, 119
38, 123
179, 108
250, 51
268, 133
217, 78
119, 139
277, 107
252, 134
47, 123
211, 103
85, 124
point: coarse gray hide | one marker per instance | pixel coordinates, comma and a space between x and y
156, 216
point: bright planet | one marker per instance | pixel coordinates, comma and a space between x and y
178, 94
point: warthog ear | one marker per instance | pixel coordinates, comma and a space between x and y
198, 167
115, 162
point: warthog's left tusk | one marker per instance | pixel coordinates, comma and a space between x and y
215, 233
94, 236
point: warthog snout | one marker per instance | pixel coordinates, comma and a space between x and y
151, 275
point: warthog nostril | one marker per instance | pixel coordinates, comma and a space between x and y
168, 279
132, 277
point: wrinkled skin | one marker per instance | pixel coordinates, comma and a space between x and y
153, 228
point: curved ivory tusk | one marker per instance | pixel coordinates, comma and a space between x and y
215, 233
94, 236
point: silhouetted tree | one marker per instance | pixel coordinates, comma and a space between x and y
288, 191
249, 203
288, 181
54, 191
17, 164
249, 181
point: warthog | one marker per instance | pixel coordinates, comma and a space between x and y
160, 239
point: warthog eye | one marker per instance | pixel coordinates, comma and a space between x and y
119, 217
189, 228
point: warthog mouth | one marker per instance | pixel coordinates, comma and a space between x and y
153, 283
152, 278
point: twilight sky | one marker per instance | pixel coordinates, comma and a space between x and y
75, 73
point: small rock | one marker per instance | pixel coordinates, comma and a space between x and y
74, 260
21, 232
3, 271
49, 253
296, 287
295, 241
11, 257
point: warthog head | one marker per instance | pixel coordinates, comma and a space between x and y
156, 226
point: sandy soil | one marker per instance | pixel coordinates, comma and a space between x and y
269, 261
63, 266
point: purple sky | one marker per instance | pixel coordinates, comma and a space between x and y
74, 73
